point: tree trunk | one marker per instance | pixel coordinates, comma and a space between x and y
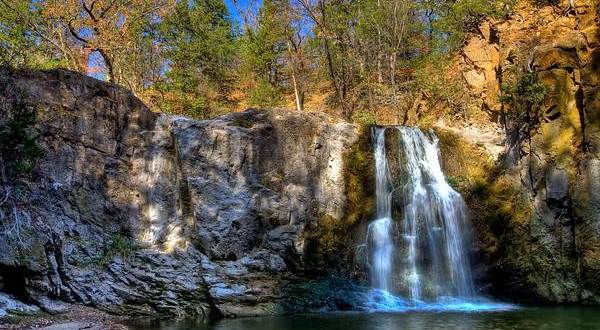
294, 78
109, 65
332, 72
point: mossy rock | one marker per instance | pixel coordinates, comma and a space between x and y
333, 244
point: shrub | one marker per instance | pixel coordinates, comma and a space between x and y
118, 245
19, 148
524, 99
464, 16
265, 95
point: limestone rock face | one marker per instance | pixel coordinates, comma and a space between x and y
137, 212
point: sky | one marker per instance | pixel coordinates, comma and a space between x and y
236, 16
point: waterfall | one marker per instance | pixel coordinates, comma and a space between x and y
418, 244
379, 232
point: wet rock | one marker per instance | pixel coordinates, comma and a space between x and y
73, 326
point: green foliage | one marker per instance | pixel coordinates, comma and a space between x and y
19, 148
118, 245
190, 57
199, 51
525, 98
265, 94
20, 46
435, 65
364, 118
458, 18
263, 51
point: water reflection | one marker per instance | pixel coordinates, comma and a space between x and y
527, 318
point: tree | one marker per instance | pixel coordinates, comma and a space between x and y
109, 27
23, 36
199, 51
262, 54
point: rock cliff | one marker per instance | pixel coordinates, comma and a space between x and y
136, 212
141, 213
534, 201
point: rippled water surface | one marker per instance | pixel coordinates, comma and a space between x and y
547, 318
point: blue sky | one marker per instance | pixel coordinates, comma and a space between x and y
243, 5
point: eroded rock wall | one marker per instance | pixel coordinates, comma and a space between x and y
137, 212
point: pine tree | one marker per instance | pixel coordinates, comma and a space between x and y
199, 51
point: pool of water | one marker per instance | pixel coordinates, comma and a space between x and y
540, 318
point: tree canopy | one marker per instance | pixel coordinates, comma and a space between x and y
194, 57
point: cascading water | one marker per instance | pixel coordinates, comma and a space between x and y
418, 245
434, 219
379, 231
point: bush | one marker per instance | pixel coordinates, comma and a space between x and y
19, 147
118, 246
265, 95
524, 99
464, 16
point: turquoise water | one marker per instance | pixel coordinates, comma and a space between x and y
542, 318
375, 300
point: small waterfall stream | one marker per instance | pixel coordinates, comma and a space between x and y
418, 245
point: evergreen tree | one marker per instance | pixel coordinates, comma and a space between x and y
263, 53
199, 53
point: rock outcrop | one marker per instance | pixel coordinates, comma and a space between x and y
142, 213
536, 206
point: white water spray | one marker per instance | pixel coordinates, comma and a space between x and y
379, 232
429, 256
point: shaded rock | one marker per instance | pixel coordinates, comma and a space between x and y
592, 35
570, 40
548, 57
557, 184
10, 304
50, 305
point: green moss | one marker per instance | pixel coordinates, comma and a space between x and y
360, 172
511, 238
332, 241
500, 210
364, 118
197, 304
